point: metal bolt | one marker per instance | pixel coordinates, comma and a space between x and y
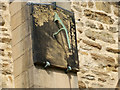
47, 64
69, 68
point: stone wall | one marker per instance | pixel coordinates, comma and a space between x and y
98, 39
6, 63
97, 35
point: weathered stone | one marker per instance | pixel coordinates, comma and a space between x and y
76, 3
2, 22
117, 11
100, 73
81, 84
89, 77
94, 44
113, 29
3, 29
91, 25
84, 4
80, 24
80, 30
90, 4
111, 68
5, 52
105, 6
101, 79
7, 81
103, 58
77, 8
2, 52
102, 23
98, 16
114, 70
6, 68
3, 6
78, 16
100, 26
113, 50
83, 53
97, 85
6, 39
87, 82
115, 4
104, 36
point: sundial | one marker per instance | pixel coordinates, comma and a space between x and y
54, 37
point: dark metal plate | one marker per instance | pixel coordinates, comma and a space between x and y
49, 48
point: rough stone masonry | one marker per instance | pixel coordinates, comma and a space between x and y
98, 39
97, 34
6, 63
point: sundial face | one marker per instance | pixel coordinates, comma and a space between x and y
46, 46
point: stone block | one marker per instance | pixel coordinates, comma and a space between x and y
105, 6
2, 21
65, 5
102, 79
24, 62
7, 81
52, 78
7, 68
3, 6
21, 47
90, 4
20, 33
113, 50
84, 4
31, 76
15, 7
100, 26
5, 38
73, 81
89, 77
20, 17
117, 11
77, 8
100, 73
98, 16
90, 24
81, 84
22, 81
94, 44
113, 29
3, 29
103, 59
104, 36
76, 3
